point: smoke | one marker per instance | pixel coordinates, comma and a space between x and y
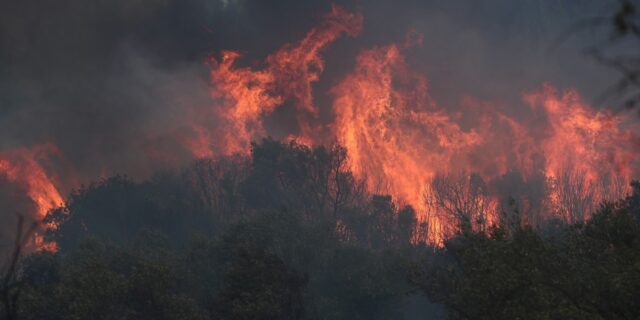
119, 86
107, 80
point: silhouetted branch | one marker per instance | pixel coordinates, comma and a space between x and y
10, 288
623, 24
626, 27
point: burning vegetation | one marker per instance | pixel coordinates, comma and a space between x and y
399, 141
375, 199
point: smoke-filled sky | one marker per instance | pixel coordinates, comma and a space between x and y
110, 82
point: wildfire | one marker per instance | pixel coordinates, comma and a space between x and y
21, 166
246, 95
392, 129
404, 144
565, 157
585, 149
401, 142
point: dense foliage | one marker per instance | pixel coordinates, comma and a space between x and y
290, 234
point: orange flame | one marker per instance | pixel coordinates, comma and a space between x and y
21, 166
586, 148
399, 139
393, 131
401, 142
247, 95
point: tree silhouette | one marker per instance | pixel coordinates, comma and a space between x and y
11, 287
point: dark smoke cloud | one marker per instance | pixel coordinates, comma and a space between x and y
108, 81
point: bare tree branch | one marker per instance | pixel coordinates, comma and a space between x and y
10, 288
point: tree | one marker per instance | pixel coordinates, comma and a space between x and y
316, 182
572, 197
460, 200
590, 272
97, 280
214, 185
256, 283
11, 287
618, 50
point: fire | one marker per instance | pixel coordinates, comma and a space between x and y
563, 157
598, 143
589, 150
402, 143
395, 134
22, 167
246, 95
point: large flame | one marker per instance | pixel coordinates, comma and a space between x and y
403, 143
22, 167
590, 151
245, 95
399, 139
393, 131
563, 158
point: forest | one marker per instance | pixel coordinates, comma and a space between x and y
290, 234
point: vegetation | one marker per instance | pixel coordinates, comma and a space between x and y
290, 234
